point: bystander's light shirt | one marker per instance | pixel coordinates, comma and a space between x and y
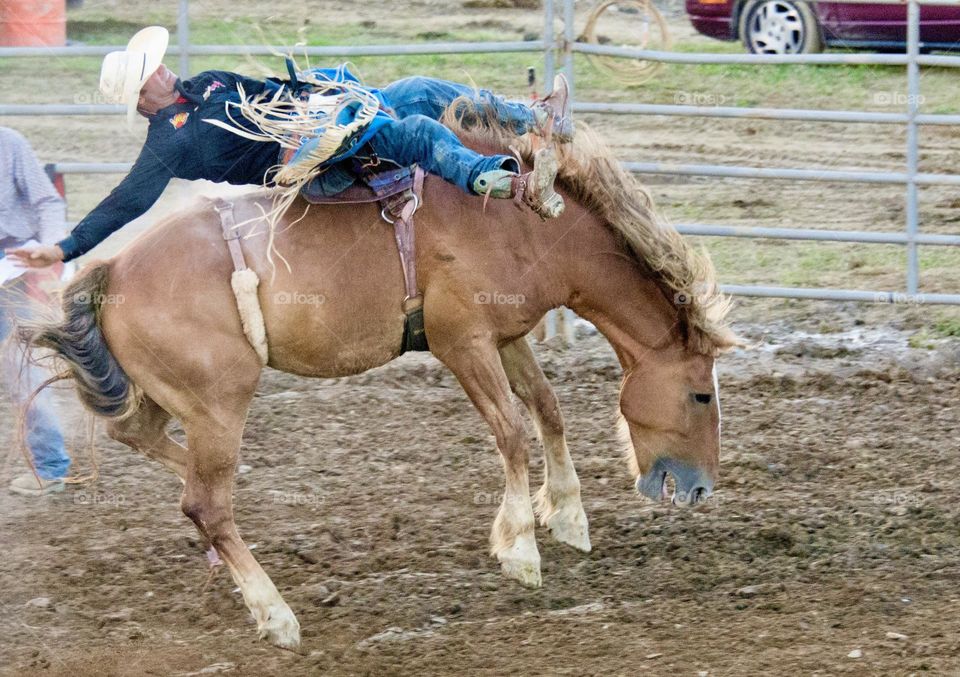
30, 206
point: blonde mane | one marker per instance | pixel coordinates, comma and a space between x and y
592, 175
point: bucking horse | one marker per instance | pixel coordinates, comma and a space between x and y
176, 347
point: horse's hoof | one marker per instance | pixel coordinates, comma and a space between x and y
281, 629
521, 562
526, 574
569, 526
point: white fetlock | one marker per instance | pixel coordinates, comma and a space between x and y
281, 628
521, 561
568, 525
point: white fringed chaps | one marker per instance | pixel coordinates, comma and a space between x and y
245, 283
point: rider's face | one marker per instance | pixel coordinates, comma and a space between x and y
157, 91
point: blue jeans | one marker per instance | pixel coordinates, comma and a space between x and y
418, 137
430, 97
44, 438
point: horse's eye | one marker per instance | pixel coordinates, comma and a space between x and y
703, 398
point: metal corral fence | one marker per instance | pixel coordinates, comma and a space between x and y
566, 46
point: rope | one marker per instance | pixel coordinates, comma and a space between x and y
655, 35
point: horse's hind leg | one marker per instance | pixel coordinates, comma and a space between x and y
214, 443
146, 431
206, 466
558, 501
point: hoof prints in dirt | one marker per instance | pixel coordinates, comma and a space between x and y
831, 543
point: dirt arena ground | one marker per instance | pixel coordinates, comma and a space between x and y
835, 529
832, 545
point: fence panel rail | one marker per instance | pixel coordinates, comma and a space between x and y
565, 46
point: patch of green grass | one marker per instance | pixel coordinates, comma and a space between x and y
942, 328
807, 264
948, 327
921, 341
105, 31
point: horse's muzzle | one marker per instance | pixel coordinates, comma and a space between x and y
693, 485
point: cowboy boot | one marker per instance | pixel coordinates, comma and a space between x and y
556, 107
29, 484
535, 188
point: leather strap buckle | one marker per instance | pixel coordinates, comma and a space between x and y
231, 233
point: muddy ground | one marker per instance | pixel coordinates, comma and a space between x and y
834, 532
369, 501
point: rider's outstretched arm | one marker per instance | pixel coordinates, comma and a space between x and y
133, 197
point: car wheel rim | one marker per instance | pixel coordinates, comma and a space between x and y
776, 28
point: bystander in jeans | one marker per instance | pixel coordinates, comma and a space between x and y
30, 210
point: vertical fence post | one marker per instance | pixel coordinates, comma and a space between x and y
913, 143
183, 38
559, 321
569, 35
550, 324
549, 39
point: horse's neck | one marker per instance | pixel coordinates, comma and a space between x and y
610, 290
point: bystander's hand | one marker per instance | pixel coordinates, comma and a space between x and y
36, 257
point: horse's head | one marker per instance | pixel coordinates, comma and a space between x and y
671, 414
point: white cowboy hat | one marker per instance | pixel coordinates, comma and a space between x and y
124, 73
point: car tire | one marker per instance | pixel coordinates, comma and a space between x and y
780, 27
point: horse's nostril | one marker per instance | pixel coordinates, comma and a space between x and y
699, 495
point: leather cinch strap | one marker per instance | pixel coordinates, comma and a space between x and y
402, 207
404, 233
230, 232
244, 283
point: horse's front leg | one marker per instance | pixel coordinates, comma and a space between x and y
558, 501
480, 372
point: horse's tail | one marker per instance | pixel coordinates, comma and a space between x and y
80, 350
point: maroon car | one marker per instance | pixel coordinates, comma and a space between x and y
797, 27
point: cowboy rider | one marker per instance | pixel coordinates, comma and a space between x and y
180, 143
